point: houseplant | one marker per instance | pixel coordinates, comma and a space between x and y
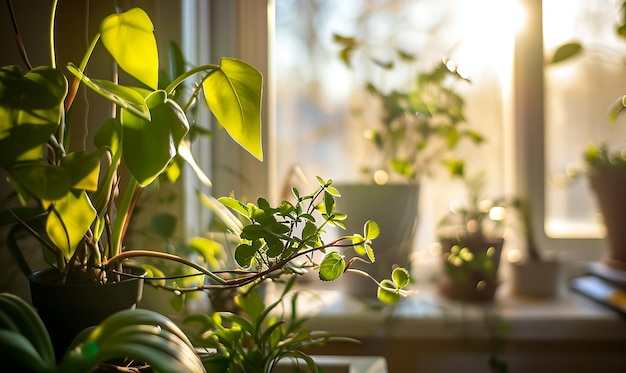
410, 131
603, 164
272, 241
533, 273
471, 238
143, 335
79, 199
79, 202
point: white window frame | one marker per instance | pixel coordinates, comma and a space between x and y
230, 28
529, 136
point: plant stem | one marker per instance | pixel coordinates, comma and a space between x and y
53, 13
121, 221
155, 254
18, 37
76, 82
170, 88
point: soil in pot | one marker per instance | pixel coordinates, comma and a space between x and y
67, 309
470, 268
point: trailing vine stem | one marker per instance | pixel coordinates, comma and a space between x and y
246, 279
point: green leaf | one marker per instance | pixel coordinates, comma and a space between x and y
129, 37
69, 220
83, 169
235, 205
359, 246
370, 252
149, 146
45, 181
386, 296
253, 232
371, 230
329, 203
237, 82
155, 272
309, 230
274, 246
456, 167
177, 64
616, 108
184, 151
566, 51
163, 224
125, 97
244, 254
48, 182
31, 108
400, 277
332, 266
109, 135
210, 250
251, 303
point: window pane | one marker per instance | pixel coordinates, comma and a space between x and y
578, 93
316, 94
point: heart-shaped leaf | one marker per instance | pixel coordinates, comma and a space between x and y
31, 106
46, 182
237, 82
149, 146
69, 220
129, 37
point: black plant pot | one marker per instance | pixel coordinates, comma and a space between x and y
67, 309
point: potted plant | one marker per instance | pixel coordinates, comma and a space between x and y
603, 166
275, 242
142, 335
471, 238
410, 131
77, 200
533, 273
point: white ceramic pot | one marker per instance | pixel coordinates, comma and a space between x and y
536, 278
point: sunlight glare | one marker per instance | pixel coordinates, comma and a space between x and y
488, 28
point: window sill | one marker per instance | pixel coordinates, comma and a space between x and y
426, 315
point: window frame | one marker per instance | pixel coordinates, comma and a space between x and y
529, 132
249, 37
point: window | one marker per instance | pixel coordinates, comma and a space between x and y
315, 91
577, 95
529, 140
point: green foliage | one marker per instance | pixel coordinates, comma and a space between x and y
419, 126
566, 51
479, 216
140, 335
283, 238
596, 156
149, 134
258, 337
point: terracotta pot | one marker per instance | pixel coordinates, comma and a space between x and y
394, 207
474, 280
68, 309
609, 186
